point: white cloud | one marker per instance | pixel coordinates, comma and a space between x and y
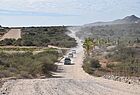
58, 7
54, 6
26, 4
89, 10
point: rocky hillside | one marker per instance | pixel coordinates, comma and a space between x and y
126, 30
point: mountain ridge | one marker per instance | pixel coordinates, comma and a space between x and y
126, 20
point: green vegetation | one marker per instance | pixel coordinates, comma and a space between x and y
27, 65
26, 49
88, 45
42, 36
119, 58
128, 59
91, 65
118, 48
7, 42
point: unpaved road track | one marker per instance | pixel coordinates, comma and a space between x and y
12, 34
72, 80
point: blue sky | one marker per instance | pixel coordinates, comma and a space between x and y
64, 12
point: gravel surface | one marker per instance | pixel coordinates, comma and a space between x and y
129, 80
71, 80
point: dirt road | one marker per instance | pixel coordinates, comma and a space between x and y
12, 34
71, 80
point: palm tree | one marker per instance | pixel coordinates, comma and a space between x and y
88, 45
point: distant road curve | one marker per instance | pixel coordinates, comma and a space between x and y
12, 34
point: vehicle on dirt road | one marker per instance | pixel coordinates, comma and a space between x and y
74, 51
67, 61
70, 55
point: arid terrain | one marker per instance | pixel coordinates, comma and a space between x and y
69, 80
12, 34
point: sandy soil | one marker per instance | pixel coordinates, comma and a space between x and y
12, 34
71, 80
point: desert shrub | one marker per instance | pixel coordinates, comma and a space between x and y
24, 75
90, 65
27, 65
110, 65
7, 42
44, 36
128, 61
46, 67
5, 73
122, 54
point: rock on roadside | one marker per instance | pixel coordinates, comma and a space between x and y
129, 80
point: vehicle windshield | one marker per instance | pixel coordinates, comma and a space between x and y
67, 58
